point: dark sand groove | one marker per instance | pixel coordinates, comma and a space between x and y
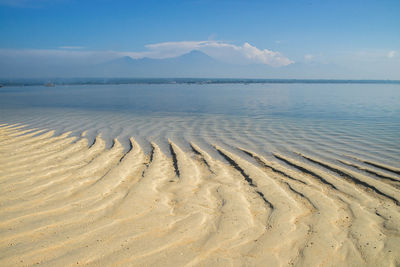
366, 186
174, 160
265, 165
380, 166
384, 177
245, 176
288, 162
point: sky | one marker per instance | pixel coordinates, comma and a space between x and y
300, 39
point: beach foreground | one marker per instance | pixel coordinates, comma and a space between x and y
67, 202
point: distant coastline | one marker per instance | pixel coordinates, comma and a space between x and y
99, 81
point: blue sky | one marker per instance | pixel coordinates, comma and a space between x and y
362, 37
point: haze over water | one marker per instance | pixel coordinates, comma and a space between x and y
327, 120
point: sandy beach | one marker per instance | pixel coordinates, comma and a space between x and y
199, 133
66, 202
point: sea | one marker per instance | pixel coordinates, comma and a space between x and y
329, 119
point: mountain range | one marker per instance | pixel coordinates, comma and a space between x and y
194, 64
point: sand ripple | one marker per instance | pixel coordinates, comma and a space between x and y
67, 201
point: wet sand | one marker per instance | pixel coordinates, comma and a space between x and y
67, 201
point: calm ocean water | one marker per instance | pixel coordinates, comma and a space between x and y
327, 120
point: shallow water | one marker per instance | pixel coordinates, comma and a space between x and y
324, 120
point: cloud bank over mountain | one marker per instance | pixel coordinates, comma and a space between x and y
245, 54
213, 59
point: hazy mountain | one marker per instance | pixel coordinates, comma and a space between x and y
194, 64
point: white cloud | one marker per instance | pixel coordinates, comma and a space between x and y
265, 56
308, 57
392, 54
374, 55
71, 47
244, 54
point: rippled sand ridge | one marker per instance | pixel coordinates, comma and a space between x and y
65, 201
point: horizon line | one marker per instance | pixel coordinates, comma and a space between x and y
179, 80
